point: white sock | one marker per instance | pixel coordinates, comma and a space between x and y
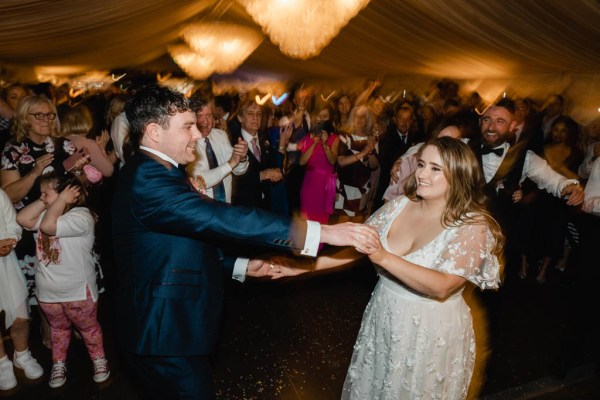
21, 353
3, 359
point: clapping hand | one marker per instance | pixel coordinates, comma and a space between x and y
239, 152
285, 133
517, 195
102, 140
395, 172
41, 163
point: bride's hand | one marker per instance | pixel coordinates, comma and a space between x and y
286, 266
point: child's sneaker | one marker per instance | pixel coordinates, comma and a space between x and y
7, 375
58, 375
101, 371
29, 365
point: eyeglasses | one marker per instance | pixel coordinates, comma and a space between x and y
42, 116
207, 116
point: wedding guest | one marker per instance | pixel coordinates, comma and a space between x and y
215, 174
65, 272
13, 301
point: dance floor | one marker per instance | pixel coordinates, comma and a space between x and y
292, 340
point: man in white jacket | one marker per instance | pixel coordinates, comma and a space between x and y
215, 178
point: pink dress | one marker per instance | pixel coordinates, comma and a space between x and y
317, 193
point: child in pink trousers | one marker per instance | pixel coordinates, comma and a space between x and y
65, 275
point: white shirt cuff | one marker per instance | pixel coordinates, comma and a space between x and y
239, 269
313, 238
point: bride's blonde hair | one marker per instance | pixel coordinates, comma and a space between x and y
465, 199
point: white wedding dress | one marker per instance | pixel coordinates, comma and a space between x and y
411, 346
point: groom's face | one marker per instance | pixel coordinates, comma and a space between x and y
178, 141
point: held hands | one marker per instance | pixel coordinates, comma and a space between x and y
271, 174
275, 268
575, 194
6, 246
362, 237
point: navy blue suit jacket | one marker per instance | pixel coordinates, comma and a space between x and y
170, 268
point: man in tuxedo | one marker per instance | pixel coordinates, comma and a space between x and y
505, 167
166, 247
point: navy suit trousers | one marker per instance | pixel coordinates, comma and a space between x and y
189, 378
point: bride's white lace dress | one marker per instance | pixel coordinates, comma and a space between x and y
413, 347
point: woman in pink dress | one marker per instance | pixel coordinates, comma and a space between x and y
319, 154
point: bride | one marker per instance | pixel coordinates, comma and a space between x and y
416, 339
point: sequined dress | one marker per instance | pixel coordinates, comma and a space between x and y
413, 347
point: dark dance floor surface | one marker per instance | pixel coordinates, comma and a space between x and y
292, 340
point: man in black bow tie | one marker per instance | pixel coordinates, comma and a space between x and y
505, 167
487, 150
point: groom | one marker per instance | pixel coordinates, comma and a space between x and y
166, 245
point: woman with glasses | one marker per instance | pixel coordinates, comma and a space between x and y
31, 152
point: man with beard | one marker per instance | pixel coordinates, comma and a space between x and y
505, 167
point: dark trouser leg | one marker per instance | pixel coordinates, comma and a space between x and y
189, 378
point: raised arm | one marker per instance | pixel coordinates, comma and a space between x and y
29, 215
50, 220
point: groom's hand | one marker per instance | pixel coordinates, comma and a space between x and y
362, 237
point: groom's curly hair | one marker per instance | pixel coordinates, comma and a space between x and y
151, 104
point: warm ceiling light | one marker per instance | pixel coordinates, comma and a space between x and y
302, 28
214, 47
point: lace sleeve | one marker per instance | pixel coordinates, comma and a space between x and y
385, 214
469, 254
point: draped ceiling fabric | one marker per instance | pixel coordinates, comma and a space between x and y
521, 47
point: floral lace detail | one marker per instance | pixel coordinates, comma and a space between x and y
464, 250
413, 347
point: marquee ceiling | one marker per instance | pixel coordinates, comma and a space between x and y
416, 39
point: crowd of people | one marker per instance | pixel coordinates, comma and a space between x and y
438, 190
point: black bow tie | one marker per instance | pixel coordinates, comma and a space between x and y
497, 151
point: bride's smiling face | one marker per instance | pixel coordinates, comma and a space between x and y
431, 179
